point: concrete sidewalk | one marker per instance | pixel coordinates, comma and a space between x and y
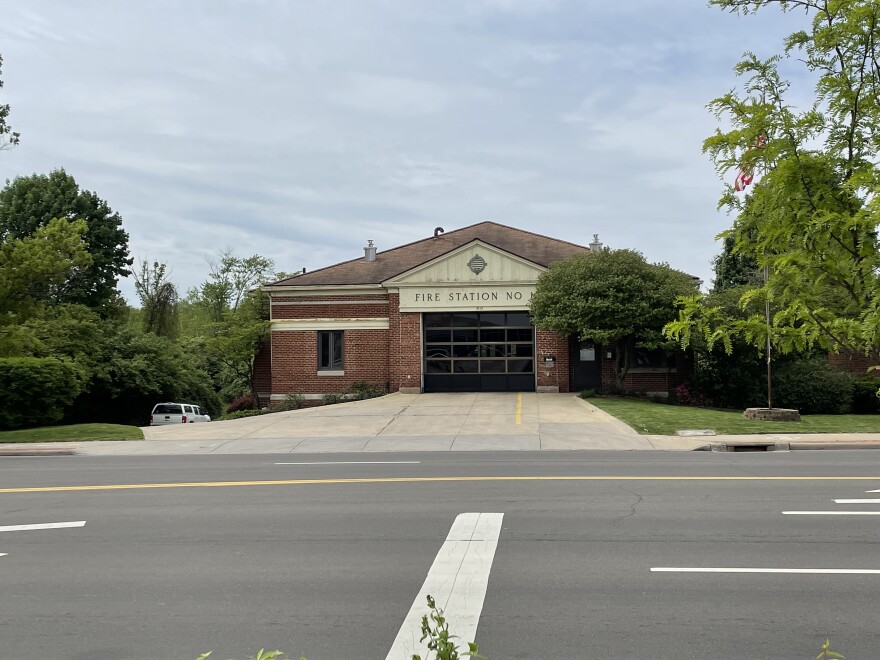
428, 422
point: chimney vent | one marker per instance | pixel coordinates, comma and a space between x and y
596, 245
370, 252
437, 231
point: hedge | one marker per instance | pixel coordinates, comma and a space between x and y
35, 391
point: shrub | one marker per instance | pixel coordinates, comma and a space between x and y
292, 401
811, 386
245, 402
238, 414
686, 395
865, 396
361, 389
335, 397
589, 393
35, 391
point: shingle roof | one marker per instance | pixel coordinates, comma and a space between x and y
536, 248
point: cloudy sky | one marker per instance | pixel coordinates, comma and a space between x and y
299, 129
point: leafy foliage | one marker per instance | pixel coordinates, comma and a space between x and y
812, 387
35, 390
8, 137
246, 402
812, 218
866, 396
28, 203
158, 297
435, 629
610, 297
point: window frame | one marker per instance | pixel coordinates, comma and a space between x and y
328, 335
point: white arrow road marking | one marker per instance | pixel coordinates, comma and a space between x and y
831, 571
355, 463
21, 528
863, 501
831, 513
457, 581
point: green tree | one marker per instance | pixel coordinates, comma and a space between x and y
8, 137
229, 281
610, 297
28, 203
812, 217
38, 265
236, 341
158, 295
734, 268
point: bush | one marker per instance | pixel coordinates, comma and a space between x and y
865, 400
238, 414
811, 386
361, 389
291, 402
686, 395
245, 402
335, 397
589, 393
35, 391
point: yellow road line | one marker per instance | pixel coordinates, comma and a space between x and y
518, 407
411, 480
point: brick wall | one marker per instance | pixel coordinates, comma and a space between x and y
405, 346
295, 361
341, 309
546, 344
854, 363
263, 371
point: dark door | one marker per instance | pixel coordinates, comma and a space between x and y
479, 352
586, 370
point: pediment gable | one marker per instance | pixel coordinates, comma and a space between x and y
474, 263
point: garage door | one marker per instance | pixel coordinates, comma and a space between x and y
479, 352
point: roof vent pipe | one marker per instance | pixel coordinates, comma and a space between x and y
370, 252
438, 231
596, 245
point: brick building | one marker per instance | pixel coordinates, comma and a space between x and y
445, 314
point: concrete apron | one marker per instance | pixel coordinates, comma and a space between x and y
403, 422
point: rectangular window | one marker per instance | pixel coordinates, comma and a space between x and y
330, 356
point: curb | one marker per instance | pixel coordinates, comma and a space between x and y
788, 446
36, 451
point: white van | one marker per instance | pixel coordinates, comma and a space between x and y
177, 413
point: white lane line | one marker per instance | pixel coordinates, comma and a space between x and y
457, 581
872, 491
22, 528
355, 463
3, 554
831, 513
818, 571
863, 501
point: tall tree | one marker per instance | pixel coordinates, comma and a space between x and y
27, 203
612, 297
230, 279
8, 137
812, 217
158, 297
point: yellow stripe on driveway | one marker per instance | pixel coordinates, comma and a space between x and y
518, 407
412, 480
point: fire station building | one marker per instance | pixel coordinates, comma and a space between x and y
448, 313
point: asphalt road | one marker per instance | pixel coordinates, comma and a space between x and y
329, 569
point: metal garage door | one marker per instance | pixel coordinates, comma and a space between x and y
479, 352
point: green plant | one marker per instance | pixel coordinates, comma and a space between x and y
589, 393
435, 629
35, 390
866, 398
361, 389
811, 386
334, 397
238, 414
827, 653
292, 401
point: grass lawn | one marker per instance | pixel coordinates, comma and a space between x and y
73, 433
662, 419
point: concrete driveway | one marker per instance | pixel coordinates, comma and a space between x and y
403, 422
